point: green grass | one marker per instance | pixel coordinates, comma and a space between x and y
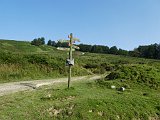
84, 100
22, 47
20, 60
136, 73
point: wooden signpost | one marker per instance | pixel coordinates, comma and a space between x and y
70, 60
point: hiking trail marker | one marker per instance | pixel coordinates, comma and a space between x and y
70, 60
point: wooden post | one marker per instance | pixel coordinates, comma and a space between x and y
70, 58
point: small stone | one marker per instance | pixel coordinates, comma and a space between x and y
49, 95
51, 114
118, 117
122, 80
100, 113
122, 89
90, 111
113, 87
70, 113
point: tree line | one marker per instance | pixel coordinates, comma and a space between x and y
147, 51
38, 41
102, 49
91, 48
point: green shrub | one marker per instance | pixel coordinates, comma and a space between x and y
141, 74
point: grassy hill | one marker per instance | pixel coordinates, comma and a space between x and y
20, 60
86, 99
22, 46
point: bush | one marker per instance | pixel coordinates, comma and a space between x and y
137, 73
10, 58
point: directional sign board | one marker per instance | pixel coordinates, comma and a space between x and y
76, 47
64, 49
64, 41
75, 39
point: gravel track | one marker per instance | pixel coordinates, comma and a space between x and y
7, 88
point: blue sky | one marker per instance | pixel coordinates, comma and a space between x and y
124, 23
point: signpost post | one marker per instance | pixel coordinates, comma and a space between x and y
71, 41
70, 60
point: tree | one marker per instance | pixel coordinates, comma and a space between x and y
158, 51
148, 51
49, 43
113, 50
99, 49
151, 51
85, 48
58, 44
105, 49
38, 41
122, 52
53, 43
42, 39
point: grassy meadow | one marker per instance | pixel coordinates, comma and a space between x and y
85, 100
20, 60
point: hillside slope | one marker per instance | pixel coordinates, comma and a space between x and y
20, 60
85, 99
22, 46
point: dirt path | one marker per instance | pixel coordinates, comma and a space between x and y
7, 88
